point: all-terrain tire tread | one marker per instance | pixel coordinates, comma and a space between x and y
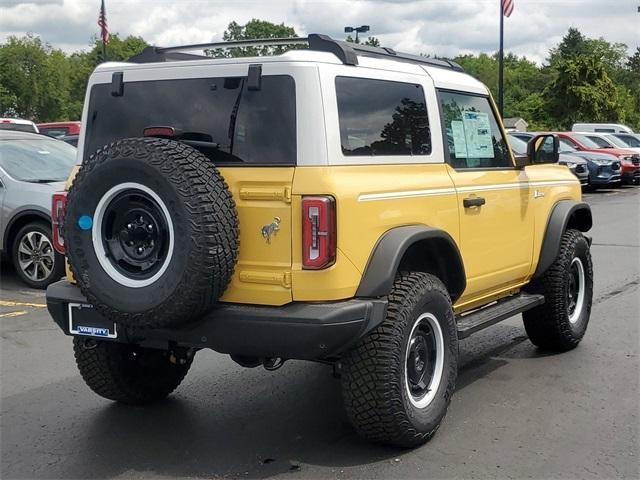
102, 369
372, 399
547, 325
213, 221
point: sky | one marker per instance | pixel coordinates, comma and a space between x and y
437, 27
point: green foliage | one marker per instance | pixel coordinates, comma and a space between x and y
253, 30
583, 79
34, 79
370, 41
44, 84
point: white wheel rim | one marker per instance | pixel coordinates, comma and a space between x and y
96, 236
425, 400
577, 312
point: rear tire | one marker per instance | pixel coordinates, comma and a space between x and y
397, 382
561, 322
34, 258
128, 373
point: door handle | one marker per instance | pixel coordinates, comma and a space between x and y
473, 202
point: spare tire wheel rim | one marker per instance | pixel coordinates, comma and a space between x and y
575, 289
133, 235
424, 362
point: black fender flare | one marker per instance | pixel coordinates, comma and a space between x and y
17, 218
390, 251
565, 214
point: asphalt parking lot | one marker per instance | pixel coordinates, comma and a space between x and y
517, 413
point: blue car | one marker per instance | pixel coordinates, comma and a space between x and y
605, 169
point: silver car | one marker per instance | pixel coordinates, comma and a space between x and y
32, 168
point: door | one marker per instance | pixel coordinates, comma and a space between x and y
496, 217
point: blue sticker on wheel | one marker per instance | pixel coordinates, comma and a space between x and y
85, 222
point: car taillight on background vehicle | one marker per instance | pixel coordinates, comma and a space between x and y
318, 232
58, 204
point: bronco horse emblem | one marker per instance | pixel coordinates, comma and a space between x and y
271, 229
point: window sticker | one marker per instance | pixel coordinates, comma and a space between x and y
459, 140
477, 131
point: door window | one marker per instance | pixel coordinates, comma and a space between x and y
473, 136
379, 117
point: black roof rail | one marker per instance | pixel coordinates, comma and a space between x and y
346, 52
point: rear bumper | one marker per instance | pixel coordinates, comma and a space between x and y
305, 331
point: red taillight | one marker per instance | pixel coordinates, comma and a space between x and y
58, 204
159, 132
318, 232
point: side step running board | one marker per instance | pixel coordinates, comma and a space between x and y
480, 319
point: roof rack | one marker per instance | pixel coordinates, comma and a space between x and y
346, 52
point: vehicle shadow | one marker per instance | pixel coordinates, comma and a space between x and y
224, 421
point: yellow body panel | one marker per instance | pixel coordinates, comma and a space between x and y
263, 271
370, 200
500, 242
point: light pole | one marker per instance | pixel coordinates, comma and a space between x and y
360, 29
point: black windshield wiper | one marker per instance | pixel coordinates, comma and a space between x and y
234, 117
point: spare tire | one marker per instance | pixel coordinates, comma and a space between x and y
151, 232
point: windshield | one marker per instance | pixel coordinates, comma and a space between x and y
518, 145
586, 141
601, 142
37, 160
626, 140
20, 127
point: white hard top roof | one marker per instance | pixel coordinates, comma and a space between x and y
442, 77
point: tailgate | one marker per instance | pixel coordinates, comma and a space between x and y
263, 201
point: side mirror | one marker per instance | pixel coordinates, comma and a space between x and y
543, 149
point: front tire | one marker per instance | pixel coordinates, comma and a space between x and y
561, 322
397, 382
128, 373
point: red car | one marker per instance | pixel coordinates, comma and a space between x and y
59, 129
629, 160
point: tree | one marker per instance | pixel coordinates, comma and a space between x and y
253, 30
34, 79
582, 91
83, 63
371, 41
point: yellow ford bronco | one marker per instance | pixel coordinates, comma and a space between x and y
343, 204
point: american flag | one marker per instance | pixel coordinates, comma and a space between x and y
507, 7
102, 23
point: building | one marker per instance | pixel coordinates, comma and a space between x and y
515, 124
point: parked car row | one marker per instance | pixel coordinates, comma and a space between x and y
612, 158
32, 168
65, 131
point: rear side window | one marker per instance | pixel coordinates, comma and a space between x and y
601, 142
473, 137
220, 117
56, 132
378, 117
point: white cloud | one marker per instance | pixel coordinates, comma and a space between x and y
441, 27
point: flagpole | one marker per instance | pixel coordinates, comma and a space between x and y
501, 66
104, 51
